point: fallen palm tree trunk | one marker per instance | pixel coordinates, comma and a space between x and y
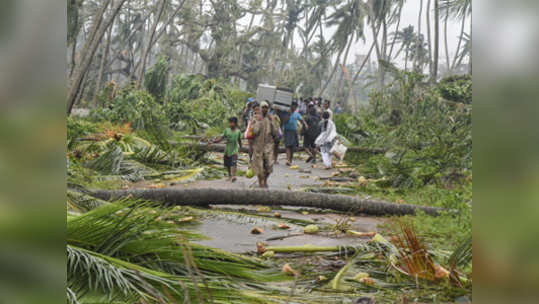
245, 148
207, 196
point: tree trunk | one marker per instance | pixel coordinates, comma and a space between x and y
384, 54
448, 62
106, 51
395, 37
86, 61
378, 51
436, 41
337, 61
406, 60
150, 43
416, 57
73, 55
338, 86
470, 67
204, 197
459, 44
94, 29
429, 40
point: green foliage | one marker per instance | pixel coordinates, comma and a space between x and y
108, 162
155, 80
456, 88
76, 129
195, 104
138, 108
429, 141
133, 250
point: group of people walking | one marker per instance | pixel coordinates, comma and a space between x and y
265, 126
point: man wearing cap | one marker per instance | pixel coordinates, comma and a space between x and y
264, 132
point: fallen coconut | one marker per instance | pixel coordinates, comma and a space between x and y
250, 173
362, 181
263, 209
257, 230
360, 275
283, 226
321, 278
311, 229
360, 234
366, 281
268, 254
288, 270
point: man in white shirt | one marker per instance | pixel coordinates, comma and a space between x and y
326, 108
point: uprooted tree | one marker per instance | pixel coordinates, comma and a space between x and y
206, 196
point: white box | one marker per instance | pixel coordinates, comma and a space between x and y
280, 97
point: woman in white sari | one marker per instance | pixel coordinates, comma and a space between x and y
326, 139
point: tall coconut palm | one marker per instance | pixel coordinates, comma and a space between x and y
349, 20
429, 36
460, 10
396, 16
419, 52
405, 37
418, 42
436, 41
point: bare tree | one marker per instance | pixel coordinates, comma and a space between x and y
146, 51
89, 49
106, 50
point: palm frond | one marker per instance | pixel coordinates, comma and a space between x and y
108, 162
71, 296
89, 271
462, 256
139, 233
80, 202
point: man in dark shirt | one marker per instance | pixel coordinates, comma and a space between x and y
310, 134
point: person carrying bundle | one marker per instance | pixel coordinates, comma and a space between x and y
326, 139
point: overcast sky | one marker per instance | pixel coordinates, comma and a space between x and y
410, 13
409, 17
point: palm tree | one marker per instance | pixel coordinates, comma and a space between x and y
349, 20
429, 40
436, 40
396, 16
466, 49
458, 9
405, 37
419, 52
418, 42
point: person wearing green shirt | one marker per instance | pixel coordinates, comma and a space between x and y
232, 135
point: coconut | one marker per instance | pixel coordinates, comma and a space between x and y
288, 270
257, 230
311, 229
250, 173
268, 254
361, 275
366, 281
283, 226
